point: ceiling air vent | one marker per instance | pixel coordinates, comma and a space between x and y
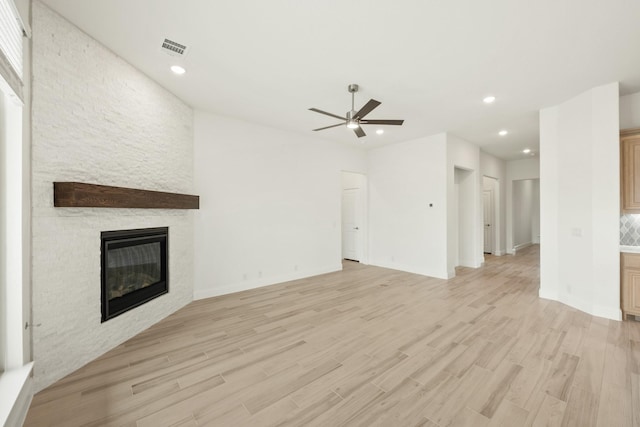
174, 49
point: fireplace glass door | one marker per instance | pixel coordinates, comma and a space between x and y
134, 269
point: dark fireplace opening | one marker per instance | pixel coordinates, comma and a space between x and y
134, 268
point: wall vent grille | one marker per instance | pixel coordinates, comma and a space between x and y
173, 48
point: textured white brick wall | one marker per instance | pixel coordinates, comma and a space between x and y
97, 119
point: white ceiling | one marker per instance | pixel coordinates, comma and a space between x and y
429, 62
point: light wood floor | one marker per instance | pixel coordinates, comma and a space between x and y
366, 346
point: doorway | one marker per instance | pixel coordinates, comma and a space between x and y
490, 211
525, 213
487, 215
465, 199
353, 216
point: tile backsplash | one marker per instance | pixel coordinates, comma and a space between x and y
630, 230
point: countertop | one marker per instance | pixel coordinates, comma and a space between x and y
630, 249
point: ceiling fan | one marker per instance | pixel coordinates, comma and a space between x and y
354, 118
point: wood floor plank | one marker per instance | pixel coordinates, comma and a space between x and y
365, 346
549, 414
615, 406
283, 386
635, 398
469, 418
487, 400
444, 407
561, 379
508, 414
525, 389
582, 408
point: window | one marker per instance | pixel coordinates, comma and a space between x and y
11, 185
11, 341
11, 57
14, 202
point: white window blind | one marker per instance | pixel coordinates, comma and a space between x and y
11, 46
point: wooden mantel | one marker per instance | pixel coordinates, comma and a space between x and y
82, 195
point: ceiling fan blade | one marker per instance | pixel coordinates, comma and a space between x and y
368, 107
359, 132
382, 122
328, 127
327, 114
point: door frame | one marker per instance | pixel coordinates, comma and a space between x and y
497, 223
362, 179
492, 221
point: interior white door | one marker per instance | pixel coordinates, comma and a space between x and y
487, 207
351, 224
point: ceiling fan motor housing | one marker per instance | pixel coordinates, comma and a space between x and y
352, 122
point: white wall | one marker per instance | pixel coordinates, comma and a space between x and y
496, 168
517, 170
630, 111
523, 202
535, 212
528, 168
462, 218
97, 119
466, 249
580, 202
352, 180
270, 204
406, 233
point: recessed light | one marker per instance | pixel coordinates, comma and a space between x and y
526, 151
178, 69
503, 132
489, 99
380, 131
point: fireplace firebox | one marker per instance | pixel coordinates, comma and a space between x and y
134, 268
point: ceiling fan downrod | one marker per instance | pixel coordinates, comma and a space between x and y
353, 88
352, 122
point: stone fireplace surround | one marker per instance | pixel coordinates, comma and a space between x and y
97, 119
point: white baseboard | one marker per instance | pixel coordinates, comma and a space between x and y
516, 248
546, 294
613, 313
471, 264
265, 281
465, 263
499, 252
412, 269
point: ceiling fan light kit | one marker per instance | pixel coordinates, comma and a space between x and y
354, 119
351, 122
